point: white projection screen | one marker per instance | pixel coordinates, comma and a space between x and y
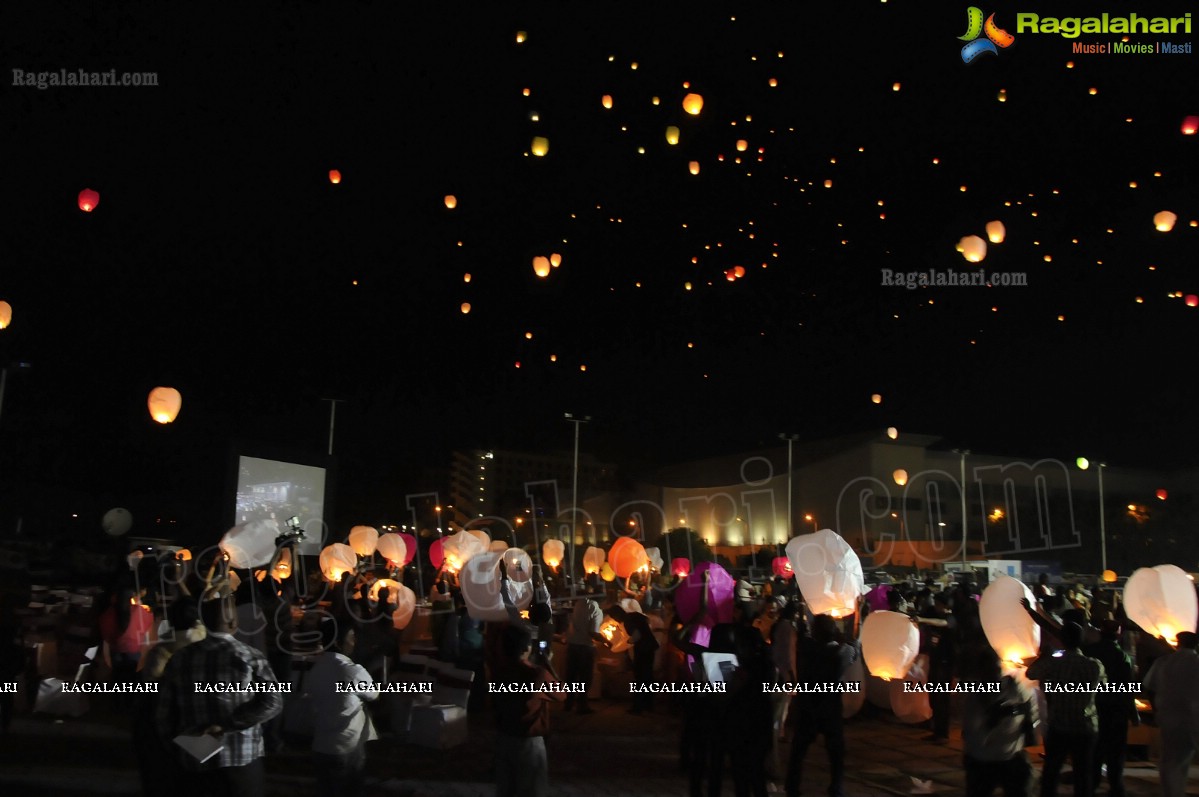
270, 489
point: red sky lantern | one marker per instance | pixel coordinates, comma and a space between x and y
680, 567
1192, 300
1190, 125
334, 176
781, 566
1162, 495
88, 199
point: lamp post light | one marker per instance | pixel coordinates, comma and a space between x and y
790, 438
811, 519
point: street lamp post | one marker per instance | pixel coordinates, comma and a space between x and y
1083, 463
811, 519
790, 438
574, 498
963, 453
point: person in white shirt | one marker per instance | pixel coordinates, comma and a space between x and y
339, 689
1173, 686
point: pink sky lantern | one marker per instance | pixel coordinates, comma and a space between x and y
88, 199
876, 598
1190, 125
781, 566
436, 556
680, 566
409, 546
720, 593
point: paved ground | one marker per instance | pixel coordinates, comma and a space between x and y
607, 753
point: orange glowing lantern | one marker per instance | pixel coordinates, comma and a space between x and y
973, 248
996, 232
164, 404
607, 100
5, 314
334, 176
465, 308
451, 201
680, 567
876, 398
742, 145
892, 432
88, 199
1164, 221
552, 552
900, 476
1162, 495
693, 104
739, 271
391, 546
1109, 576
1191, 300
693, 167
627, 556
540, 146
541, 266
555, 260
672, 135
282, 567
607, 573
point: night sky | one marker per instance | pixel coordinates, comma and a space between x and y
222, 261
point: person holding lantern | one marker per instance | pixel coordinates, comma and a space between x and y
645, 645
823, 659
1172, 684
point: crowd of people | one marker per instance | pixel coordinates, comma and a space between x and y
258, 634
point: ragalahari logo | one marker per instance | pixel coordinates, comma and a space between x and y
995, 36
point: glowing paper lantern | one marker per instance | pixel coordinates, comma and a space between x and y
393, 548
1189, 125
451, 201
827, 571
593, 559
334, 176
911, 707
1109, 576
5, 314
465, 308
900, 476
461, 548
627, 556
480, 583
655, 558
693, 167
436, 557
88, 199
996, 232
252, 544
1162, 495
721, 587
876, 398
680, 566
606, 100
555, 260
693, 104
672, 135
481, 536
364, 539
890, 642
410, 546
282, 568
498, 546
521, 36
541, 266
392, 587
618, 638
607, 573
1162, 601
892, 432
164, 404
781, 566
116, 521
336, 560
405, 608
738, 271
973, 248
552, 552
540, 146
1164, 221
1191, 300
518, 565
1015, 637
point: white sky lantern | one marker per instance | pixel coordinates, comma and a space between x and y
827, 571
973, 248
540, 146
655, 558
480, 584
391, 546
116, 521
892, 432
593, 560
481, 536
5, 314
518, 564
282, 568
1015, 637
541, 266
336, 560
1164, 221
672, 135
460, 549
363, 540
391, 585
164, 404
1162, 601
890, 642
405, 608
996, 232
552, 552
693, 104
250, 544
498, 546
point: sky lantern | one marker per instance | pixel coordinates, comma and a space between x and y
1109, 577
405, 607
593, 559
1190, 125
334, 176
973, 248
900, 476
521, 36
876, 398
1161, 600
552, 552
693, 104
607, 100
827, 571
461, 548
739, 271
892, 432
540, 146
482, 536
1015, 637
336, 560
1191, 300
5, 314
680, 566
436, 557
1162, 495
164, 404
1164, 220
672, 135
996, 232
250, 544
627, 556
607, 573
781, 566
389, 584
116, 521
742, 145
890, 642
451, 201
480, 584
282, 568
465, 308
393, 548
88, 199
541, 266
721, 588
693, 167
364, 539
555, 260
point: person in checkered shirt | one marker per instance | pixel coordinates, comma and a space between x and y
234, 717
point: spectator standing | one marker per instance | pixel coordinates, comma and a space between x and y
1173, 686
585, 621
522, 718
342, 724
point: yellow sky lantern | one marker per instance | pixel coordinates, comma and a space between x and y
540, 146
1164, 221
742, 145
607, 100
164, 404
996, 232
973, 248
521, 36
5, 314
672, 135
552, 552
693, 104
541, 266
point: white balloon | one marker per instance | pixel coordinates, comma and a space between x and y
480, 583
1014, 635
250, 544
117, 521
827, 571
497, 546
